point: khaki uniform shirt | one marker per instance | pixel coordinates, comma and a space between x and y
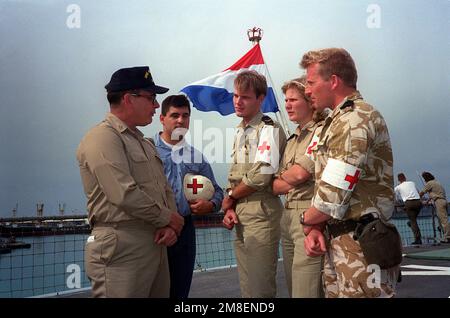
435, 189
354, 162
299, 152
123, 176
257, 175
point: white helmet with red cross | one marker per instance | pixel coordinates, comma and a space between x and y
197, 187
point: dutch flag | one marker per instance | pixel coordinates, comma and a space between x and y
215, 93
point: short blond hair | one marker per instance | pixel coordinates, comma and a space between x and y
251, 80
298, 84
332, 61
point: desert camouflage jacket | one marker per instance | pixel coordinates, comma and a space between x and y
353, 162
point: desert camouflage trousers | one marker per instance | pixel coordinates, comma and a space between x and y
347, 274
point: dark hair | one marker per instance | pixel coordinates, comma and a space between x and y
174, 101
114, 98
427, 176
401, 177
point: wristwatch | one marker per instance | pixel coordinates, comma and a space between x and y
230, 195
302, 219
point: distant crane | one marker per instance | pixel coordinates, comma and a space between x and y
61, 207
40, 209
14, 210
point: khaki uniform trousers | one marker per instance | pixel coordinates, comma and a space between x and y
256, 245
123, 261
303, 273
441, 207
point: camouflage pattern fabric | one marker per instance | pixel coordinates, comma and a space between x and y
355, 135
347, 274
353, 169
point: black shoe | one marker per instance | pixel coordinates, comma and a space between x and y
417, 242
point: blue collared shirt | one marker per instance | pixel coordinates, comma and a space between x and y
190, 161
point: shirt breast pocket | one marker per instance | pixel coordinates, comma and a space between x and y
140, 167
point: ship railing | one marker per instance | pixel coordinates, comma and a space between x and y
55, 261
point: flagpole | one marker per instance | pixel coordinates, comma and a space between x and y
255, 36
281, 115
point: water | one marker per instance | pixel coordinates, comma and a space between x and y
42, 269
48, 266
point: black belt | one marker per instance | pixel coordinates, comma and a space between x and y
337, 228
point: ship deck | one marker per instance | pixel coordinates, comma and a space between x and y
421, 278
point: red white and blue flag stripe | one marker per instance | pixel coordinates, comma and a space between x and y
215, 93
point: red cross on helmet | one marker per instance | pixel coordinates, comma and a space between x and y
197, 187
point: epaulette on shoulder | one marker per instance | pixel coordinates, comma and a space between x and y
291, 136
348, 103
267, 120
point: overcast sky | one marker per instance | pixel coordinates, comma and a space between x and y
52, 74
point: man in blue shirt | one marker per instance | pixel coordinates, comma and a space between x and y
180, 158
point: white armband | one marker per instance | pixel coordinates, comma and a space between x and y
341, 175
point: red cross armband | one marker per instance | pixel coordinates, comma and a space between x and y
341, 175
266, 145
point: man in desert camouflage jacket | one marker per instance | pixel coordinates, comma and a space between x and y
354, 178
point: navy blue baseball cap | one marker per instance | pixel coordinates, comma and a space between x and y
138, 77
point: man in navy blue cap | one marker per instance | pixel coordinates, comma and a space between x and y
133, 78
131, 206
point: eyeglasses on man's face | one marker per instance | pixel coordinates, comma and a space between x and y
151, 98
